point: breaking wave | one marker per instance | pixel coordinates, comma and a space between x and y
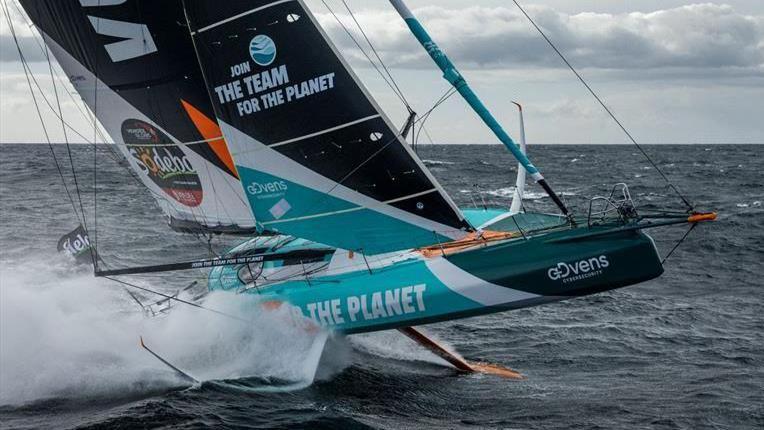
438, 163
527, 195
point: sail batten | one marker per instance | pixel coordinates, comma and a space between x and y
328, 130
318, 158
280, 221
241, 15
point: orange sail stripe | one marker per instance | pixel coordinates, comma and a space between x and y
210, 131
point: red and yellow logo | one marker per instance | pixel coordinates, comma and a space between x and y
163, 162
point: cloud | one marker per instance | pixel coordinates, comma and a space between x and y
697, 36
690, 73
33, 51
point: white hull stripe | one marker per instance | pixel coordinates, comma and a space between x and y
472, 287
399, 199
241, 15
319, 133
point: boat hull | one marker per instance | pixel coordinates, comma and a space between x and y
499, 277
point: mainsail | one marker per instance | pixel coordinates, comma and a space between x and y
133, 63
317, 157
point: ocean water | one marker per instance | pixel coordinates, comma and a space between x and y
682, 351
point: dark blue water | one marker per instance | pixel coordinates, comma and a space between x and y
683, 351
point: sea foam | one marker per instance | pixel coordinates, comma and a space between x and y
64, 333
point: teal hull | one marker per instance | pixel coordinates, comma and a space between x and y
411, 289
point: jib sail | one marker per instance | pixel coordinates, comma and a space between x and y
317, 157
133, 63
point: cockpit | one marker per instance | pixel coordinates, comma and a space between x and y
285, 258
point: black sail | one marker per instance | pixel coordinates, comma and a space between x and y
317, 157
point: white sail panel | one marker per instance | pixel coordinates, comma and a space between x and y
135, 68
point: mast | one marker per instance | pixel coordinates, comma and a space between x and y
452, 75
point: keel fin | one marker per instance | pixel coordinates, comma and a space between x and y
177, 371
456, 360
497, 370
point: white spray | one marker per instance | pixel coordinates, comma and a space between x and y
64, 333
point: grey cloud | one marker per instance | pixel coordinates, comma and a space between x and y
9, 53
31, 47
707, 36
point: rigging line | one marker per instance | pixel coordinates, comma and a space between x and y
77, 103
236, 191
218, 203
66, 141
423, 119
95, 151
328, 193
198, 214
427, 135
449, 92
185, 302
27, 72
365, 54
119, 159
301, 276
87, 115
341, 181
95, 197
274, 276
82, 207
60, 111
687, 233
55, 92
336, 270
53, 152
376, 54
604, 106
53, 111
26, 66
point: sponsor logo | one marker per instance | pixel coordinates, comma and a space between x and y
256, 188
166, 166
390, 303
134, 39
280, 209
262, 49
77, 244
433, 49
77, 79
582, 269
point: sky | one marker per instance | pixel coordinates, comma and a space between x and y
673, 71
